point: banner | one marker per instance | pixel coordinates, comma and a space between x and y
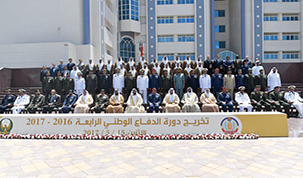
135, 124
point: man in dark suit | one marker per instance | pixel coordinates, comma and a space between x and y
207, 62
217, 63
61, 66
7, 101
42, 75
70, 65
54, 70
52, 102
238, 62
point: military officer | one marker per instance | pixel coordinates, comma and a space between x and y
154, 80
261, 79
48, 83
58, 81
204, 80
154, 101
226, 100
91, 83
142, 85
118, 80
240, 79
216, 82
129, 83
192, 81
79, 84
36, 102
7, 101
166, 82
259, 99
249, 81
69, 101
276, 98
68, 84
101, 102
179, 82
243, 100
105, 82
21, 101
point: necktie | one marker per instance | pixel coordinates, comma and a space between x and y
52, 99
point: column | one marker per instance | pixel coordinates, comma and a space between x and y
200, 35
151, 31
258, 30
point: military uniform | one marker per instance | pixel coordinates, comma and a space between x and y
279, 101
68, 84
240, 80
105, 82
154, 101
68, 103
8, 99
193, 82
36, 102
166, 83
129, 84
261, 80
227, 99
216, 83
48, 83
261, 100
249, 83
179, 85
154, 82
59, 85
92, 84
101, 103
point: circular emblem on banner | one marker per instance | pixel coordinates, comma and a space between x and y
231, 125
6, 126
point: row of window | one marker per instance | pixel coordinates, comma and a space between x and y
171, 57
181, 19
164, 2
170, 38
129, 9
285, 17
285, 55
282, 0
274, 36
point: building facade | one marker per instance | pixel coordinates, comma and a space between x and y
35, 33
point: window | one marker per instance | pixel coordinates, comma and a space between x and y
127, 49
290, 36
290, 55
163, 20
290, 17
170, 57
270, 17
135, 10
270, 36
269, 0
186, 19
123, 9
185, 1
270, 55
219, 13
219, 44
163, 2
290, 0
219, 28
182, 56
165, 38
186, 38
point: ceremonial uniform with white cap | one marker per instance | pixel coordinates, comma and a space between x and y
243, 100
294, 98
204, 80
79, 85
142, 85
256, 69
21, 101
118, 80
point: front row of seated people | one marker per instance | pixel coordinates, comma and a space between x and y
171, 102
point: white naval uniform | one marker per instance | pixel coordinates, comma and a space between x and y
256, 70
245, 100
118, 82
79, 86
205, 82
19, 103
297, 101
142, 85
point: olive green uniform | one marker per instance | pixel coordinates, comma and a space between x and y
91, 84
261, 100
249, 81
261, 80
36, 102
48, 83
59, 85
101, 99
166, 83
129, 84
279, 101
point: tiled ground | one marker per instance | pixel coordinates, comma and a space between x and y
266, 157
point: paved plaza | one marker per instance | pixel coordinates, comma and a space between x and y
265, 157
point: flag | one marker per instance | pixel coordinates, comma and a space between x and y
141, 48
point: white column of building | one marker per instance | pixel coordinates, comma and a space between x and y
249, 40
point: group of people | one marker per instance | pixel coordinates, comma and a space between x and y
142, 82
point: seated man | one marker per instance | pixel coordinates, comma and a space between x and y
21, 101
7, 101
36, 102
69, 101
277, 99
243, 100
101, 102
83, 102
154, 101
190, 101
294, 98
209, 102
258, 99
115, 103
171, 102
52, 102
134, 103
225, 99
